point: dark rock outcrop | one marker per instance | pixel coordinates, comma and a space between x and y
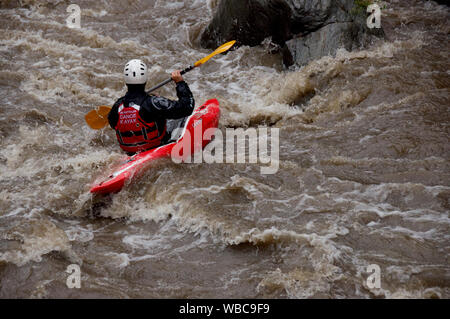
443, 2
305, 29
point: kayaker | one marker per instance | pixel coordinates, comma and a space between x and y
140, 119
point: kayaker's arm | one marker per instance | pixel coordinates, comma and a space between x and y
169, 109
185, 99
113, 115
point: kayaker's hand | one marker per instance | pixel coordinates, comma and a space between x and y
176, 76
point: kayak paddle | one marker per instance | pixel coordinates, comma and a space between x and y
98, 118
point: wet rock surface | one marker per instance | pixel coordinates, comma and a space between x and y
305, 30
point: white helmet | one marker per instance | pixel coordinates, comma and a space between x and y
135, 72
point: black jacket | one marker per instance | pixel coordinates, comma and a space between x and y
154, 108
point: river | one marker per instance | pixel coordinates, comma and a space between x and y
363, 178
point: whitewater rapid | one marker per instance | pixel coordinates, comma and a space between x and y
363, 170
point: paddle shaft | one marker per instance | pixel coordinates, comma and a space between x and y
97, 119
169, 80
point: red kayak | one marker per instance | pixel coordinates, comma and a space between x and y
203, 118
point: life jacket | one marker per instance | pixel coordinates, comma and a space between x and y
133, 133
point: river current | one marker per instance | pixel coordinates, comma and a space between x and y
363, 178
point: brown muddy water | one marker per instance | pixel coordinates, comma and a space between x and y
364, 173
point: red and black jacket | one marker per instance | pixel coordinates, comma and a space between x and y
140, 119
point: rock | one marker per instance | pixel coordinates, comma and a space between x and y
305, 29
327, 40
248, 22
323, 42
443, 2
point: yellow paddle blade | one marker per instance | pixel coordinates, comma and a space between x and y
98, 118
221, 49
